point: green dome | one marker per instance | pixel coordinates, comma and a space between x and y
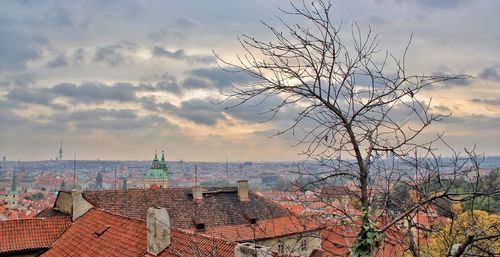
158, 168
155, 174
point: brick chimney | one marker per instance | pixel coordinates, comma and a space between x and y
243, 190
198, 194
158, 225
251, 250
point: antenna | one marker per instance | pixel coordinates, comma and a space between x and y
61, 151
227, 173
74, 173
115, 176
195, 175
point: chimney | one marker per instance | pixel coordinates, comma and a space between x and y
158, 225
73, 203
198, 194
251, 250
243, 190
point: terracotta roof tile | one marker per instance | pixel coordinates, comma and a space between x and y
264, 229
121, 239
127, 237
189, 244
218, 208
30, 234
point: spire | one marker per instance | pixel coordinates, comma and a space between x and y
13, 185
162, 155
156, 154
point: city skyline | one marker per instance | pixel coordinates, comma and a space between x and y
116, 80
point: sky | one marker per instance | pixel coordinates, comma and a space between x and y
115, 80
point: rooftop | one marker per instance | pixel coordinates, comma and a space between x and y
264, 229
31, 234
220, 206
101, 233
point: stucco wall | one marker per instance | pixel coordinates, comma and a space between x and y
292, 244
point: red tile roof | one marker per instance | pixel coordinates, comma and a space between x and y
189, 244
31, 234
337, 240
220, 207
101, 233
264, 229
125, 237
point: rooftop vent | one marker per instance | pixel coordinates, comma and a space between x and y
101, 230
252, 219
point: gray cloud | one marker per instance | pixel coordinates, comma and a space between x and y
451, 82
18, 46
29, 96
440, 4
149, 103
21, 80
164, 34
442, 108
473, 122
170, 86
9, 120
113, 55
200, 111
78, 55
196, 83
84, 115
486, 101
490, 73
59, 61
108, 119
185, 22
180, 54
218, 78
96, 92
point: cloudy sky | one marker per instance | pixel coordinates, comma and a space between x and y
118, 79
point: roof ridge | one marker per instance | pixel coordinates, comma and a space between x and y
134, 189
273, 202
116, 214
35, 218
211, 237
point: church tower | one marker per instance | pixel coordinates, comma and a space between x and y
12, 196
156, 176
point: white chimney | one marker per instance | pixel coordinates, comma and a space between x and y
198, 194
158, 225
243, 190
73, 203
251, 250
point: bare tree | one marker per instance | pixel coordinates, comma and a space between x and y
361, 115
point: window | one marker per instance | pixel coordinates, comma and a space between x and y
303, 245
281, 248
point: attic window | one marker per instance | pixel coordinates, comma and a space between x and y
252, 219
101, 230
200, 226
